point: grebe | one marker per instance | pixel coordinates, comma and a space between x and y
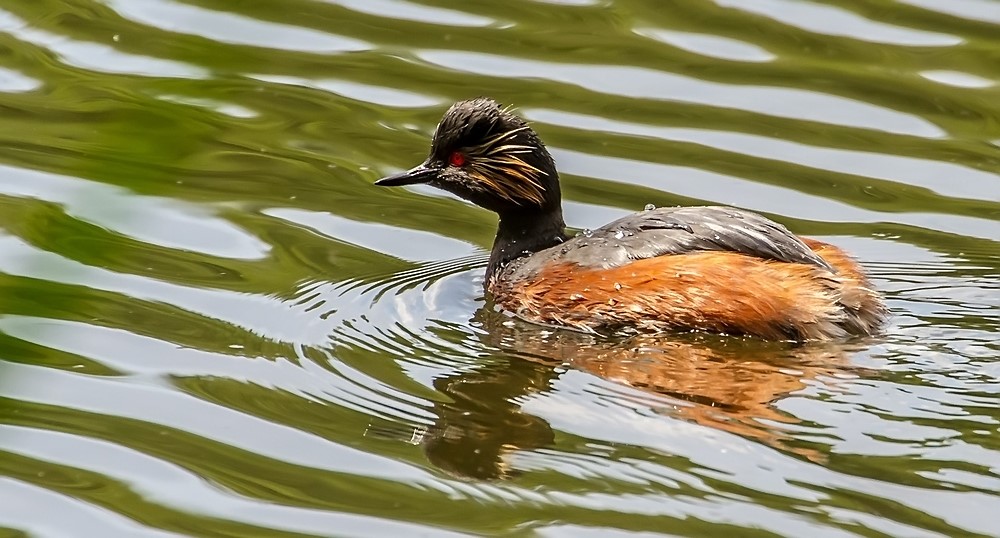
712, 268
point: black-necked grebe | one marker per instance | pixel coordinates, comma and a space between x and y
717, 269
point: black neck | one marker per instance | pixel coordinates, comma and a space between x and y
523, 233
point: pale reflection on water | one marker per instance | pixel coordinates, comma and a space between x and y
212, 324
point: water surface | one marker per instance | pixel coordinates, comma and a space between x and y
211, 324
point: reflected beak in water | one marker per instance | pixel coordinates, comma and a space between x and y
418, 174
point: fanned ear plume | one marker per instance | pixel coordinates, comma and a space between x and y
496, 162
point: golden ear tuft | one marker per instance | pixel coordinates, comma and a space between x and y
497, 164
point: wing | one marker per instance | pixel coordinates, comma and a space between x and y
679, 230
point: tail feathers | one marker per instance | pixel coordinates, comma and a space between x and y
864, 310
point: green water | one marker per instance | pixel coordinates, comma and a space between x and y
211, 324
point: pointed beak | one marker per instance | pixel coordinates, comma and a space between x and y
418, 174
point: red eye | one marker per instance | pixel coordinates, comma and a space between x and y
456, 159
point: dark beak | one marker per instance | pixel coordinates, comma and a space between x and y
418, 174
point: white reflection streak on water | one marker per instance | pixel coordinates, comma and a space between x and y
164, 405
96, 56
171, 485
377, 95
16, 82
144, 356
829, 20
411, 245
628, 81
232, 28
725, 456
157, 220
411, 11
948, 179
31, 508
394, 317
728, 190
723, 48
262, 315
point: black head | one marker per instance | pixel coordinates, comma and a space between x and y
488, 156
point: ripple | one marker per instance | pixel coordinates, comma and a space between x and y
645, 83
575, 3
957, 79
259, 314
162, 221
167, 407
221, 107
395, 314
22, 509
727, 190
14, 82
405, 244
137, 355
98, 57
835, 21
378, 95
232, 28
940, 177
719, 456
176, 362
709, 45
170, 485
410, 11
973, 10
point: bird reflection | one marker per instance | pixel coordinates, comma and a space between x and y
724, 383
483, 423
